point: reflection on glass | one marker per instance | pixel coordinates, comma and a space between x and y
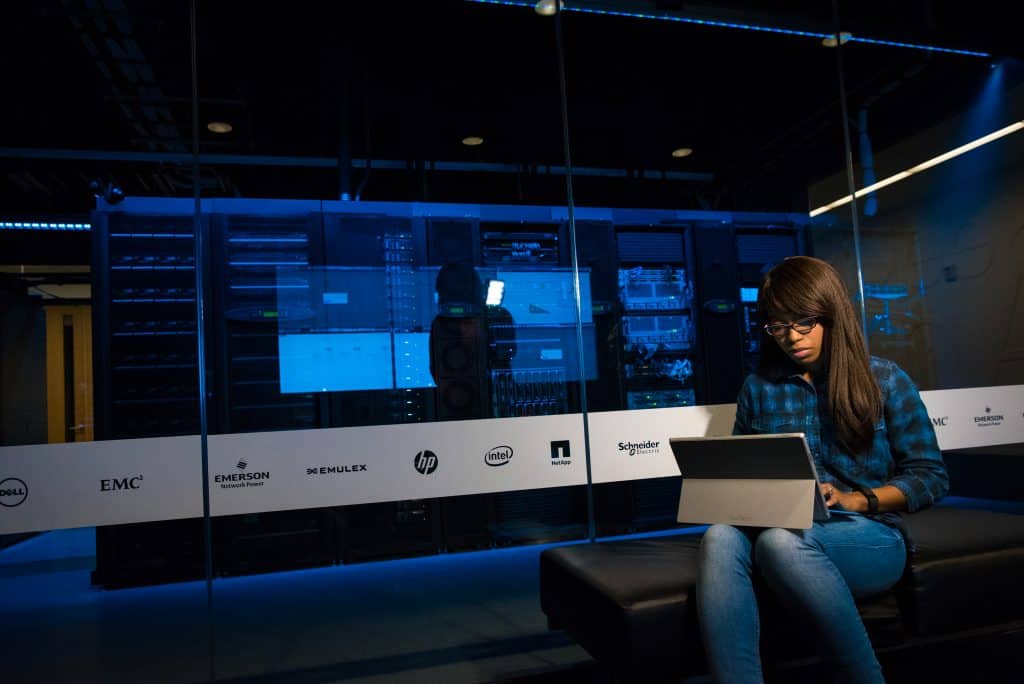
363, 328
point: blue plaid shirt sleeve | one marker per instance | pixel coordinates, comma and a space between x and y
741, 425
918, 468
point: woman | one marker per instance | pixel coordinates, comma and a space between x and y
875, 452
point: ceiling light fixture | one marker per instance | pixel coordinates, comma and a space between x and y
729, 24
219, 126
934, 161
472, 140
830, 41
681, 152
547, 8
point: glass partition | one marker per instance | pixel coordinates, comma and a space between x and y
433, 270
100, 475
692, 153
394, 328
936, 146
939, 264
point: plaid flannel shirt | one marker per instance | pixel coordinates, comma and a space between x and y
904, 452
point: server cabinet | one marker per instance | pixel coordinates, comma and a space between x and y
146, 382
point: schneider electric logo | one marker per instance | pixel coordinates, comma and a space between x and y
989, 419
425, 462
498, 456
13, 492
639, 448
242, 479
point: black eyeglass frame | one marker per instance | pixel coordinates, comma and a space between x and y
802, 326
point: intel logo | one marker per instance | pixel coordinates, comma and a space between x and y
498, 456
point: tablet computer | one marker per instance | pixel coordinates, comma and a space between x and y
751, 480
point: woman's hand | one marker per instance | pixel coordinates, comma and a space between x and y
848, 501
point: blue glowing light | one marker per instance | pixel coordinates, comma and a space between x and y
915, 46
39, 225
733, 25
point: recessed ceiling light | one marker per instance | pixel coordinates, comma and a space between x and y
681, 152
546, 8
219, 126
830, 41
473, 140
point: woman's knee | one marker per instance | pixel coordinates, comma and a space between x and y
724, 541
779, 547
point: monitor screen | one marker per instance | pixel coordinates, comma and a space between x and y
748, 295
333, 362
544, 297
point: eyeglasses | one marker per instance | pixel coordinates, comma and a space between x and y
802, 326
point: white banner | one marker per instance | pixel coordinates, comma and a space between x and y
272, 471
634, 445
976, 416
53, 486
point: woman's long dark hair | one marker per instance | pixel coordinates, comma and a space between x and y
804, 286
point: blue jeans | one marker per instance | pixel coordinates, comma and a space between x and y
817, 573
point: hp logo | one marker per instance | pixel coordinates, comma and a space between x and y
425, 462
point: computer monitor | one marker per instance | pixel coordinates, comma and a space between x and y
335, 362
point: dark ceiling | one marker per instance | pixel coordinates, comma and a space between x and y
404, 82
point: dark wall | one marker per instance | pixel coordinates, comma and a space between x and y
22, 373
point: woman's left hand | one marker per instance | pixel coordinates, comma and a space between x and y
848, 501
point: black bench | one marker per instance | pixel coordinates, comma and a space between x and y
628, 602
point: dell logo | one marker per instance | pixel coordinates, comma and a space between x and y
425, 462
498, 456
13, 492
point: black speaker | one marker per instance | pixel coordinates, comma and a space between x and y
458, 362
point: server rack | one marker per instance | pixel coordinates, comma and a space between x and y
650, 317
535, 386
254, 259
398, 245
146, 375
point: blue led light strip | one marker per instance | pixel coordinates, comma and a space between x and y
728, 24
38, 225
913, 46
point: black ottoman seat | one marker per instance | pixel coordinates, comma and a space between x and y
628, 602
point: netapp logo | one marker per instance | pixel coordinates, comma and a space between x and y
560, 453
120, 484
13, 492
498, 456
242, 479
635, 448
337, 470
940, 422
989, 419
425, 462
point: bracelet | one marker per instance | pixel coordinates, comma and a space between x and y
869, 494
